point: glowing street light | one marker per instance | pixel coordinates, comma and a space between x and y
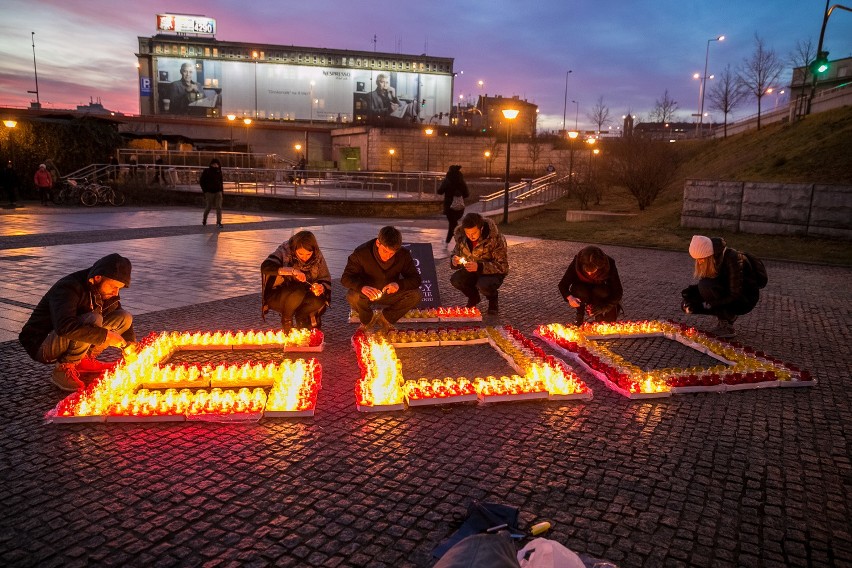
704, 80
509, 114
572, 135
231, 119
428, 132
487, 160
391, 152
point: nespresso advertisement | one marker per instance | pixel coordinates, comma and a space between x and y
203, 87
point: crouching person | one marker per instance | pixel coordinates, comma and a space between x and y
79, 317
592, 286
480, 260
296, 282
381, 273
722, 289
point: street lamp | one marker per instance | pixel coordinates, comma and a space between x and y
487, 160
10, 124
592, 150
565, 105
704, 79
391, 152
428, 133
509, 114
247, 122
571, 137
231, 119
576, 113
592, 155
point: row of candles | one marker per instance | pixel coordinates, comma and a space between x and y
295, 384
738, 364
382, 382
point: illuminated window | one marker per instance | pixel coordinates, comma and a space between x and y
215, 52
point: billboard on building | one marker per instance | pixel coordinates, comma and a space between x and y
185, 24
212, 87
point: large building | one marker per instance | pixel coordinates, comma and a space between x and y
185, 70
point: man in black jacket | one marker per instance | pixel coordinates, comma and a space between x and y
380, 271
79, 317
212, 185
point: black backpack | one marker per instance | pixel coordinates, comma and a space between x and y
756, 271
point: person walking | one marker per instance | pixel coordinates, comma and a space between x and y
296, 282
10, 183
212, 185
454, 189
43, 182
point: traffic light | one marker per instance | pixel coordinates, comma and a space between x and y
423, 103
820, 65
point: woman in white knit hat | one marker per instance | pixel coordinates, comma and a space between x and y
721, 290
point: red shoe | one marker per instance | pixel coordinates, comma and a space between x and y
90, 365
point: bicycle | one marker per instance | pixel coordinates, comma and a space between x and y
95, 194
69, 192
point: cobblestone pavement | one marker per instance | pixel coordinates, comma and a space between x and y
750, 478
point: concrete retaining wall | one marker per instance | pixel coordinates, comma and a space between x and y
768, 208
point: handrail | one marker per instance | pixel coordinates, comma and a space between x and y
530, 185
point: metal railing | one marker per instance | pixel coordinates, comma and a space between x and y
526, 187
309, 184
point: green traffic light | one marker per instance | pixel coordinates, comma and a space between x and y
820, 65
822, 68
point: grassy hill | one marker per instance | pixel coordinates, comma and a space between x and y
817, 149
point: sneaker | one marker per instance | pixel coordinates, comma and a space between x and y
473, 301
92, 365
725, 330
384, 324
66, 377
493, 306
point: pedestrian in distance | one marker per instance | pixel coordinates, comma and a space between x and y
480, 260
296, 282
381, 272
10, 182
454, 189
212, 186
79, 317
592, 286
726, 286
44, 183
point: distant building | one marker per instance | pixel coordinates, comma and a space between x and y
487, 115
669, 130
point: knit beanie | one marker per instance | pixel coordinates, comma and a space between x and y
700, 247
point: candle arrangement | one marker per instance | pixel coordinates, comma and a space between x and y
429, 315
132, 390
383, 387
739, 367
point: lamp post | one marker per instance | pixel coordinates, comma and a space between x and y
231, 119
509, 114
704, 79
487, 160
565, 105
591, 142
576, 113
592, 153
391, 152
571, 137
11, 124
247, 122
35, 72
428, 133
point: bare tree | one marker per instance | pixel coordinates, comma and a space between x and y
645, 167
760, 71
599, 114
664, 109
802, 54
727, 94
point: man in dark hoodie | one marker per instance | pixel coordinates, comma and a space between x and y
380, 271
79, 317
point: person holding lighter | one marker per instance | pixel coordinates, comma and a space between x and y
79, 317
296, 282
480, 260
381, 272
591, 285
